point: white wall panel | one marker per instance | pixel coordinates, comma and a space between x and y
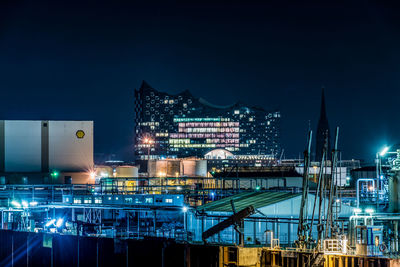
67, 152
22, 141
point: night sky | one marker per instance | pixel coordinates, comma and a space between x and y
82, 61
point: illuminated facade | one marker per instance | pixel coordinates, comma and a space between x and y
182, 125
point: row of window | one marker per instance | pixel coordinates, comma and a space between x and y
209, 130
127, 200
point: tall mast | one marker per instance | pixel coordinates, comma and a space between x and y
303, 217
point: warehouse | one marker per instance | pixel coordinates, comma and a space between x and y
276, 215
37, 151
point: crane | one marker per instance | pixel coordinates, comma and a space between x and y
302, 229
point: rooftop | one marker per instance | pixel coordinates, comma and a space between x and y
243, 200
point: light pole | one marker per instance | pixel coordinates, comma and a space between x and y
148, 141
379, 182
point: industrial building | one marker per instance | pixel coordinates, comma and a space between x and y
46, 151
256, 178
188, 167
276, 215
182, 125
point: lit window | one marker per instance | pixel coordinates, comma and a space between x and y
236, 112
168, 200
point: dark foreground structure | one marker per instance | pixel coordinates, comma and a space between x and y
37, 249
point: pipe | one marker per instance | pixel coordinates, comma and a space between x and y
358, 187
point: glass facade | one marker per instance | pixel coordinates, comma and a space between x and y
182, 125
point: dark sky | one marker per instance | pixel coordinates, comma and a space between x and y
82, 60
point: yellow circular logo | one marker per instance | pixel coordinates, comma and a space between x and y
80, 134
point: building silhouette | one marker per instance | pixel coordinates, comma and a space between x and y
323, 131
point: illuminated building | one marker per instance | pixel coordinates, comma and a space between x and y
182, 125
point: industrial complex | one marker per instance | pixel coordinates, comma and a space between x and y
209, 187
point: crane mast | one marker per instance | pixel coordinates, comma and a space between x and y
303, 226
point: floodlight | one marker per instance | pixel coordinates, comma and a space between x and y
384, 151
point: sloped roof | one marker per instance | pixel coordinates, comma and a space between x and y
259, 172
243, 200
146, 86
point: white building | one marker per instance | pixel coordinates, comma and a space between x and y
46, 146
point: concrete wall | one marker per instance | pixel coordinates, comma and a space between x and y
43, 146
22, 146
67, 152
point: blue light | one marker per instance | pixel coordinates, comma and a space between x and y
16, 204
59, 222
384, 151
382, 177
51, 222
212, 194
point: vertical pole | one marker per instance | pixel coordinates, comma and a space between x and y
51, 254
138, 224
127, 254
12, 250
127, 225
254, 232
97, 252
289, 231
162, 255
78, 252
154, 222
27, 250
184, 221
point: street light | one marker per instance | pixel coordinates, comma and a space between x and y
24, 204
357, 210
369, 211
16, 204
379, 182
59, 222
384, 151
